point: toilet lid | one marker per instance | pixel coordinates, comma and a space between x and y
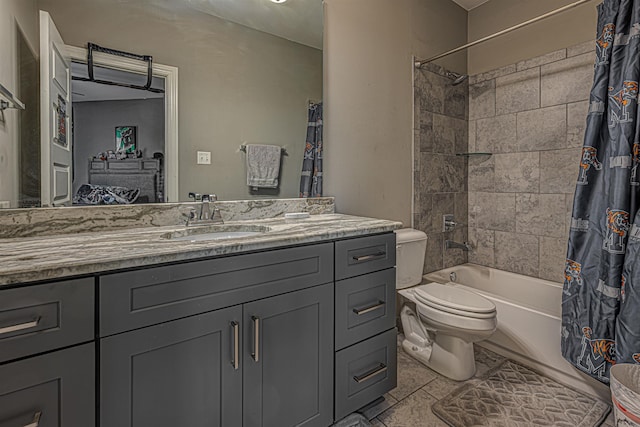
453, 297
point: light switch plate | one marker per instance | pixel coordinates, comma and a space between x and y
204, 157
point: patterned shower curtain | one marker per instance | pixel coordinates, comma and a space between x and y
601, 293
311, 179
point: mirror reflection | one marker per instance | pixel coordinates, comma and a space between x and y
226, 76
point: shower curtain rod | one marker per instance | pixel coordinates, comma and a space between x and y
419, 63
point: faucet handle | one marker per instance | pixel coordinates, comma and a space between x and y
195, 196
209, 197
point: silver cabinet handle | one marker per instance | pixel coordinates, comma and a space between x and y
36, 420
235, 361
369, 309
256, 338
20, 327
370, 257
362, 378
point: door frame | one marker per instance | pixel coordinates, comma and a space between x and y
170, 76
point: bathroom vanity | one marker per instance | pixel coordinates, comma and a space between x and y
265, 330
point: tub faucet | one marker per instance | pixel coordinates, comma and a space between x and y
205, 216
450, 244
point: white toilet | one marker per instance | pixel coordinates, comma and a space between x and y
449, 319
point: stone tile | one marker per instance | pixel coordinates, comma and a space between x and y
518, 92
426, 138
433, 256
492, 211
472, 136
412, 375
492, 74
375, 410
431, 91
542, 129
559, 170
482, 100
441, 386
517, 253
461, 207
442, 204
517, 172
444, 173
496, 134
481, 173
453, 257
542, 60
414, 411
577, 123
456, 100
482, 241
586, 47
425, 209
448, 132
540, 214
553, 253
566, 81
487, 357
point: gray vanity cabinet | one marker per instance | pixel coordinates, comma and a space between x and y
181, 373
52, 390
288, 359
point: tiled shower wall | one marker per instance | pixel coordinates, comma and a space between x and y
440, 177
531, 116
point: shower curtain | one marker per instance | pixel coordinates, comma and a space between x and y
601, 292
311, 179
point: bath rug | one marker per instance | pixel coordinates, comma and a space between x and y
514, 396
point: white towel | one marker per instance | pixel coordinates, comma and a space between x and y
263, 165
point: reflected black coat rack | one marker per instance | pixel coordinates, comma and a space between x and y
91, 47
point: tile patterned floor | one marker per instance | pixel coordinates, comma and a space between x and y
409, 404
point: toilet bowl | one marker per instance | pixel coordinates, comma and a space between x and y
446, 321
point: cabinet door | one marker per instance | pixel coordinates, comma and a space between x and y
288, 359
180, 373
54, 390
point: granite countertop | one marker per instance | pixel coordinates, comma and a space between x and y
32, 259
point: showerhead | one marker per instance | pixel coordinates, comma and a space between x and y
457, 78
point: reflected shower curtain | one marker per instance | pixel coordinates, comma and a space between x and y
311, 179
601, 292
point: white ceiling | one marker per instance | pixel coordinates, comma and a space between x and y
470, 4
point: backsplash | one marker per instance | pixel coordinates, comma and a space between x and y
532, 116
440, 177
51, 221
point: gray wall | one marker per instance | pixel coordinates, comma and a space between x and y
236, 84
567, 29
440, 177
532, 116
94, 126
369, 48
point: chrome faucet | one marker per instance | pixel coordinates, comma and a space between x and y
450, 244
205, 215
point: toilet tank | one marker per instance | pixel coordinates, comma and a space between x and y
410, 249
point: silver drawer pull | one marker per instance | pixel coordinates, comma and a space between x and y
256, 338
370, 257
20, 327
369, 309
36, 420
236, 345
362, 378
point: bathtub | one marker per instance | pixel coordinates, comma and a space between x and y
529, 321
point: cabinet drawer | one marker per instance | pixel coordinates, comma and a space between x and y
365, 255
364, 372
146, 297
365, 306
38, 318
53, 390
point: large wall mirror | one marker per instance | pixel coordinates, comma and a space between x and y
239, 72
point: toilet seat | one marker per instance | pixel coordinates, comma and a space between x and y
455, 300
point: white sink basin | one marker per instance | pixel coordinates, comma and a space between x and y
215, 232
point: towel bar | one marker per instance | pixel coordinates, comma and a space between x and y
13, 101
243, 148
